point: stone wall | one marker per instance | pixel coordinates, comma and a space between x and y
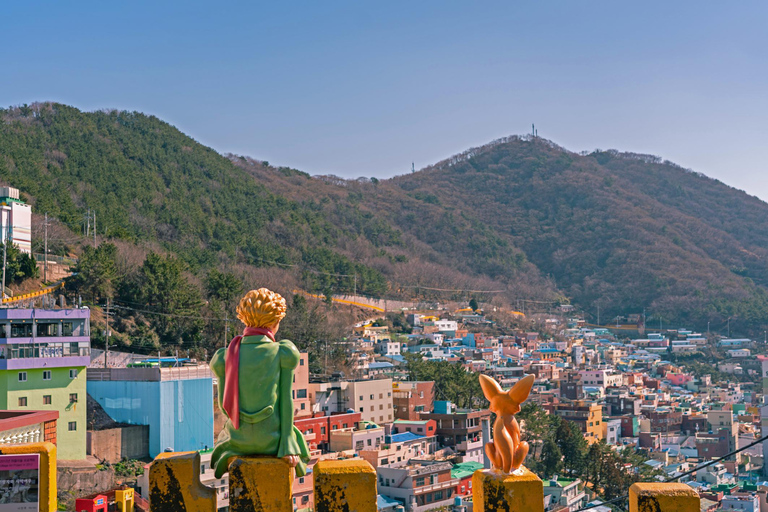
116, 444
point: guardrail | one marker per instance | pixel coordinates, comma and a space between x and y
32, 295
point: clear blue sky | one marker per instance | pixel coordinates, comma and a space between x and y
364, 89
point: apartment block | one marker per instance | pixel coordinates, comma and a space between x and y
43, 359
371, 398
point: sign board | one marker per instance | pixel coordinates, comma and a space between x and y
20, 483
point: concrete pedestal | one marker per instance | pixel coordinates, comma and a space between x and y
494, 491
260, 484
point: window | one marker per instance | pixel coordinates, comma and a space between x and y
301, 362
21, 330
45, 330
322, 430
72, 426
301, 393
73, 397
305, 498
361, 409
372, 408
22, 376
47, 400
381, 407
302, 405
371, 397
46, 374
361, 398
420, 481
438, 495
369, 442
72, 374
381, 395
301, 480
389, 394
67, 329
381, 418
22, 401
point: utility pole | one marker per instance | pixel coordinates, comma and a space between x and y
598, 314
5, 247
45, 251
106, 345
94, 228
355, 285
88, 223
729, 327
226, 328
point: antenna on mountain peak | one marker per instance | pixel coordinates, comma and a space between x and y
413, 167
533, 129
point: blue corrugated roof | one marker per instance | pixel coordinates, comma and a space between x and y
404, 437
380, 365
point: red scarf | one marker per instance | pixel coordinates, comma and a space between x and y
231, 401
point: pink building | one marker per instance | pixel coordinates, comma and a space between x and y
302, 408
678, 379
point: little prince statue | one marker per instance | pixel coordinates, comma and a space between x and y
255, 375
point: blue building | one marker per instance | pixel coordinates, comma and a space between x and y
176, 403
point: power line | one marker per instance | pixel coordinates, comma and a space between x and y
669, 480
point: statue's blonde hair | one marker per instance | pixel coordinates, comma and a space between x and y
261, 308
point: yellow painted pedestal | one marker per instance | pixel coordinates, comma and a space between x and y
174, 484
493, 491
260, 484
658, 497
344, 485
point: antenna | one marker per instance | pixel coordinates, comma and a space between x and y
533, 129
413, 168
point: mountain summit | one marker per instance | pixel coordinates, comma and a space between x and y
518, 219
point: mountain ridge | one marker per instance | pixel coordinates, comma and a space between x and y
622, 230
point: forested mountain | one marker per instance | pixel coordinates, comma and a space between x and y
521, 218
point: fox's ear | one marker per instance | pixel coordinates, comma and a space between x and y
490, 387
520, 391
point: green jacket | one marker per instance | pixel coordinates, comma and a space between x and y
266, 404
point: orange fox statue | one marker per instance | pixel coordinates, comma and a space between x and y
506, 452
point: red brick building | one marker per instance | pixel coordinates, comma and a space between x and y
317, 430
412, 398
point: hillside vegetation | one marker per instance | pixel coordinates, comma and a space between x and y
521, 219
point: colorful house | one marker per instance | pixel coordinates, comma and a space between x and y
43, 357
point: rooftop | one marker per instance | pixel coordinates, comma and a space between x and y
465, 469
405, 437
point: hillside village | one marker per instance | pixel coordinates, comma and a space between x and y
623, 398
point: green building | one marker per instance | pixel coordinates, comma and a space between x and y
43, 358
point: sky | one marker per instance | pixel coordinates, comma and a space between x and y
365, 89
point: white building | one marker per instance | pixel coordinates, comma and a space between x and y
743, 502
15, 219
602, 378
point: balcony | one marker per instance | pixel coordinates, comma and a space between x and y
453, 482
468, 446
44, 355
